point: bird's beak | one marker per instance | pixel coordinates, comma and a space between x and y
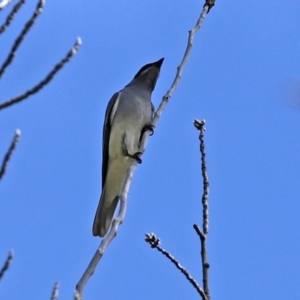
159, 62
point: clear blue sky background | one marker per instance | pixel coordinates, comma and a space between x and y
244, 64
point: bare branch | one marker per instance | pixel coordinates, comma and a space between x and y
46, 80
21, 36
4, 3
154, 242
7, 263
55, 291
103, 245
11, 16
203, 234
9, 152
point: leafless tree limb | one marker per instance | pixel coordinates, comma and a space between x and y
55, 291
4, 3
9, 152
200, 126
46, 80
103, 245
119, 219
7, 263
154, 242
203, 234
166, 98
21, 36
11, 16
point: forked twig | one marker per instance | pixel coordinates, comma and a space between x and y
154, 243
7, 263
46, 80
9, 152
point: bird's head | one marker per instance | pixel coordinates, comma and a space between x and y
149, 74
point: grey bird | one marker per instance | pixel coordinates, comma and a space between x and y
128, 114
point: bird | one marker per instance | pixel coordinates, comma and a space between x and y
128, 115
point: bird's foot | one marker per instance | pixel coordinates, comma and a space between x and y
136, 156
149, 127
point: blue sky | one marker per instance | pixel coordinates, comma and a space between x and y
243, 67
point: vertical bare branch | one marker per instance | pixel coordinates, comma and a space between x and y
7, 263
11, 16
203, 234
21, 37
4, 3
55, 291
154, 242
46, 80
9, 152
200, 126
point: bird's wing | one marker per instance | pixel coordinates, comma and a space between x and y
109, 116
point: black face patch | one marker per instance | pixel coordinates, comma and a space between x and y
144, 68
148, 66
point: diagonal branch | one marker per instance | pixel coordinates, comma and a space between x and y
4, 3
119, 219
154, 242
11, 16
203, 234
7, 263
46, 80
55, 291
20, 38
166, 98
9, 152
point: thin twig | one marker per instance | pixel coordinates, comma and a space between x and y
7, 263
55, 291
9, 153
11, 16
200, 126
4, 3
203, 234
154, 242
46, 80
19, 39
166, 98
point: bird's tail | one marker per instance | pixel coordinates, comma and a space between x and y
104, 215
